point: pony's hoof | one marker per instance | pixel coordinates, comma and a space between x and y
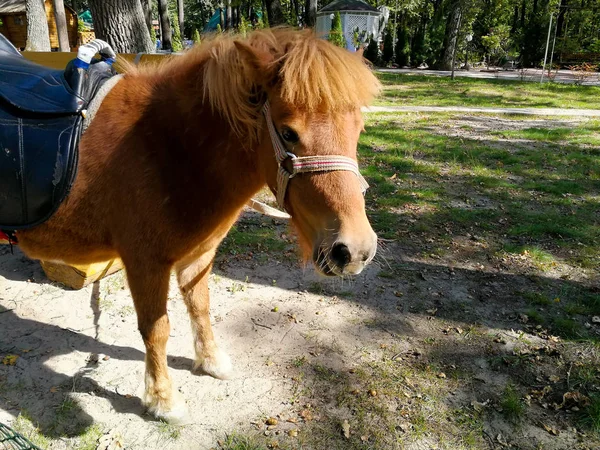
217, 366
176, 413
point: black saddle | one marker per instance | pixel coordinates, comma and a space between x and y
41, 117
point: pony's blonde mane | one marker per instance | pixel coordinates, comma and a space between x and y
309, 73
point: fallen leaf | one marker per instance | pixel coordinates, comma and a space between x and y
306, 415
441, 375
346, 429
551, 430
292, 433
10, 360
271, 421
54, 389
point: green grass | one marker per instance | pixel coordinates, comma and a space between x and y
542, 199
590, 416
512, 406
421, 90
236, 441
25, 426
251, 238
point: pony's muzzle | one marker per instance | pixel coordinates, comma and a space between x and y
342, 258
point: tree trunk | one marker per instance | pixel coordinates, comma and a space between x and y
275, 13
451, 39
61, 26
229, 13
38, 37
163, 16
147, 8
310, 13
121, 23
180, 16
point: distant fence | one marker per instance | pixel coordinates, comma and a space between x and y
577, 58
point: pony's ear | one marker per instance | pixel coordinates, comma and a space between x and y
258, 61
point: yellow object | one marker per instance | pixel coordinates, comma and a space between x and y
79, 276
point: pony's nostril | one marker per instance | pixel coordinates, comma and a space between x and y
340, 255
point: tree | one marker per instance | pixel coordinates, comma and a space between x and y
243, 28
310, 13
336, 35
402, 46
196, 37
165, 26
451, 36
121, 23
274, 12
180, 16
38, 37
388, 46
61, 25
176, 43
372, 52
147, 8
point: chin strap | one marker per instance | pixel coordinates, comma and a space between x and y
304, 164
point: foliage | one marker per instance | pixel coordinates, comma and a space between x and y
153, 35
243, 28
372, 52
219, 30
336, 35
388, 46
402, 47
176, 42
196, 37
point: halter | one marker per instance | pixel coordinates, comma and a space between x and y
304, 164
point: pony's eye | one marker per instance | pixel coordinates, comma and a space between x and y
289, 135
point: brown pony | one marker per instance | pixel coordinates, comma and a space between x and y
176, 151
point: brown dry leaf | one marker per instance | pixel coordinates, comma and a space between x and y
306, 415
553, 431
459, 330
441, 375
364, 438
10, 360
346, 429
54, 389
292, 433
292, 420
271, 421
393, 177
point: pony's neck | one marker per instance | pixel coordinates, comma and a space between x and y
208, 161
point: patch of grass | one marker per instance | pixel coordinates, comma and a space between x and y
411, 89
251, 238
236, 441
567, 328
536, 298
169, 431
89, 439
512, 406
590, 416
542, 259
25, 426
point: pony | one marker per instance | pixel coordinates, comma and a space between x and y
175, 152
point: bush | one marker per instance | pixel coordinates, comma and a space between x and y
388, 47
243, 28
372, 52
176, 42
336, 35
402, 47
196, 37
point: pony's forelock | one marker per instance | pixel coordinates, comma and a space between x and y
311, 74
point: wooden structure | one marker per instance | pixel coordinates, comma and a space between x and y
77, 277
13, 23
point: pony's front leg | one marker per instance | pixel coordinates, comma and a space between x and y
193, 282
149, 285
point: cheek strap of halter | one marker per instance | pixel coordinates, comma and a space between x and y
304, 164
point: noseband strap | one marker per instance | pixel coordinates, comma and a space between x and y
304, 164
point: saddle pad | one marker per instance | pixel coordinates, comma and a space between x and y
38, 163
